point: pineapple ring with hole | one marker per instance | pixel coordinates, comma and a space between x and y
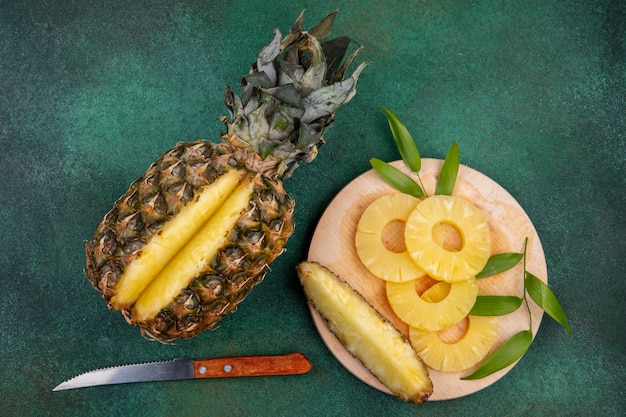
382, 253
458, 347
424, 244
418, 312
464, 353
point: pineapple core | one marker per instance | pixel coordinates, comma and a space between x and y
194, 256
366, 334
171, 238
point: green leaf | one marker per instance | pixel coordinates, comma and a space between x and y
509, 352
396, 178
495, 305
405, 143
449, 171
500, 263
545, 298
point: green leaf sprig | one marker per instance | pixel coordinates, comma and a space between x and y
488, 305
497, 305
411, 157
545, 298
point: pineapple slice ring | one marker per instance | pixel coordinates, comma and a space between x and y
383, 255
458, 356
422, 238
433, 316
464, 350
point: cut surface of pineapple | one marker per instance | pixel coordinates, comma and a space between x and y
193, 257
462, 354
418, 312
384, 253
379, 346
426, 249
171, 238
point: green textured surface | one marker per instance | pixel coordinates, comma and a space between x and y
92, 92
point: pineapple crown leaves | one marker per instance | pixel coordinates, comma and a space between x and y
486, 305
289, 97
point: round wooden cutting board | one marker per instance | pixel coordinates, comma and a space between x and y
333, 246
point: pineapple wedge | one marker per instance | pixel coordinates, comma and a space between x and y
366, 334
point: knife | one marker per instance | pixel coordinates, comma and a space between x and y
290, 364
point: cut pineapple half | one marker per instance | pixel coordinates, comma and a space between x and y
423, 241
194, 256
383, 252
366, 334
171, 238
418, 312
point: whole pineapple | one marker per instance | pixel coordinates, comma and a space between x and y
191, 237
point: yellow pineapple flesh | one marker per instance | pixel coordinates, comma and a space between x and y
382, 252
460, 355
418, 312
366, 334
191, 260
423, 241
446, 353
172, 237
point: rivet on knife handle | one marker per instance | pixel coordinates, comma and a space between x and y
291, 364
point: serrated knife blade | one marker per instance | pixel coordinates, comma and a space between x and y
175, 369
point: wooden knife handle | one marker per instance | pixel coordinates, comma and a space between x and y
290, 364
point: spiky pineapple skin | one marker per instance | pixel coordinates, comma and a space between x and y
173, 180
259, 236
151, 200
